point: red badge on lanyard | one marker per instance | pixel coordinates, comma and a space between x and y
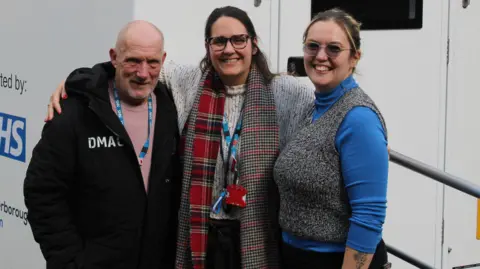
236, 195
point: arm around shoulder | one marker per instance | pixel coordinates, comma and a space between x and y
76, 76
178, 76
80, 77
293, 98
183, 81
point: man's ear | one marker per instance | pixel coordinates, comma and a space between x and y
113, 57
164, 56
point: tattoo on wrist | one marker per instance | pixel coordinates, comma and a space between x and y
360, 259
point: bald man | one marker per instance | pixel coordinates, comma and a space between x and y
103, 184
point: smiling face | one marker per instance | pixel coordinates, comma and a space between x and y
138, 59
230, 50
329, 57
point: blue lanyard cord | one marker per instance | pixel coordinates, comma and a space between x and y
230, 161
118, 105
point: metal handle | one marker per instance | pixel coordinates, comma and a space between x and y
257, 3
436, 174
466, 3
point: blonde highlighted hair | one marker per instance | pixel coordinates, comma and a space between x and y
350, 25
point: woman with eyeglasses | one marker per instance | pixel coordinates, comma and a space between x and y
332, 175
235, 116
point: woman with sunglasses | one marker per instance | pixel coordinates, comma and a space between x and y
235, 116
332, 175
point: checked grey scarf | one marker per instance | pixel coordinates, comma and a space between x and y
201, 140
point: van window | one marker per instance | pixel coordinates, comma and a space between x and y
378, 14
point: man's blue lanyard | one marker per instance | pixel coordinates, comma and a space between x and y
230, 161
118, 105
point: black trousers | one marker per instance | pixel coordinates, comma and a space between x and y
223, 251
295, 258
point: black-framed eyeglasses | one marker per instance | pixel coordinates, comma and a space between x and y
218, 43
332, 50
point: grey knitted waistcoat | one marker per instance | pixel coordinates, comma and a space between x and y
313, 201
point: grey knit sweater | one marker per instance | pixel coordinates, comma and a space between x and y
291, 98
314, 204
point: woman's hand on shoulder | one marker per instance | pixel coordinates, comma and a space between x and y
54, 104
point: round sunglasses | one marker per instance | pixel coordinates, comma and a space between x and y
332, 50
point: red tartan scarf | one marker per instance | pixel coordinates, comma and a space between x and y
201, 140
